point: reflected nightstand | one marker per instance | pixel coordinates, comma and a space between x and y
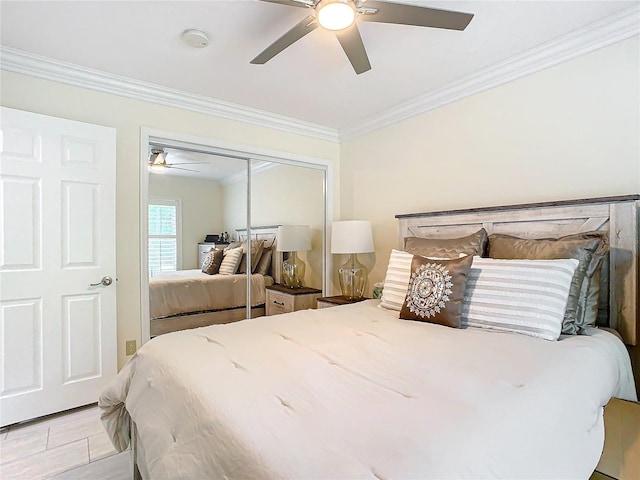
282, 299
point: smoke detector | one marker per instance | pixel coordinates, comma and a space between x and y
195, 38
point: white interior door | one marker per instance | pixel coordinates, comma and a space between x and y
58, 333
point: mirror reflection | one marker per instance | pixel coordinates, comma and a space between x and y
200, 249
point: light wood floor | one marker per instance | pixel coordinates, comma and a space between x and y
67, 446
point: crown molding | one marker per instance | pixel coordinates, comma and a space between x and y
18, 61
594, 36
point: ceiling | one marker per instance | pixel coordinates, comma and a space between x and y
310, 81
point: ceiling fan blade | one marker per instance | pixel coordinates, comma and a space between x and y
180, 168
352, 45
307, 25
292, 3
413, 15
189, 163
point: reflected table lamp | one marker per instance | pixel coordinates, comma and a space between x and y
352, 237
293, 238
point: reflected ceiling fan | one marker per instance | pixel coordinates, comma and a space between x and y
158, 162
341, 17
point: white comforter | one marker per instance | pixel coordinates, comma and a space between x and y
353, 392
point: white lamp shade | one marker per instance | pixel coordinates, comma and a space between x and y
351, 236
293, 238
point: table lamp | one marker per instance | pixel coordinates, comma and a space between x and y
293, 238
352, 237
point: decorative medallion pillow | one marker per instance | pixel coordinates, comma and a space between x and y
396, 280
212, 261
230, 261
518, 296
582, 247
436, 289
474, 244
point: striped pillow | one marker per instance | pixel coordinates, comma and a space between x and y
519, 296
396, 280
231, 261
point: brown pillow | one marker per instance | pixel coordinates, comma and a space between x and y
233, 245
474, 244
436, 289
212, 261
256, 253
584, 247
264, 263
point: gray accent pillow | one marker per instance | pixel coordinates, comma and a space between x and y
583, 247
450, 248
588, 303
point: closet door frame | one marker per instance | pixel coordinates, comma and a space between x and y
246, 152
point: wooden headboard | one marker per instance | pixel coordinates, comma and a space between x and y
269, 234
617, 216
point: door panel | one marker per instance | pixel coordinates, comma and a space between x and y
21, 363
81, 339
58, 237
21, 227
80, 218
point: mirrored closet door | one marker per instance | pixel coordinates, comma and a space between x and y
215, 216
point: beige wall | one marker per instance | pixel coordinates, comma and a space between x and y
128, 116
201, 209
283, 194
567, 132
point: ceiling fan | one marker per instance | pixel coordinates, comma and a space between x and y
158, 162
341, 16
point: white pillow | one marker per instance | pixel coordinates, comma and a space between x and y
231, 261
519, 296
396, 281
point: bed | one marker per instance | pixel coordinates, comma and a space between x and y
190, 298
356, 392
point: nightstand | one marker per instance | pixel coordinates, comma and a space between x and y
326, 302
282, 299
621, 455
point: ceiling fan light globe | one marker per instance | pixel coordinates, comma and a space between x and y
336, 14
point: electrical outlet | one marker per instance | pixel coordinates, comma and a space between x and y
131, 347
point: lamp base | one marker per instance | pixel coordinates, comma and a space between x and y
293, 271
353, 277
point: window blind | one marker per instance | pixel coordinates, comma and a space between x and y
163, 241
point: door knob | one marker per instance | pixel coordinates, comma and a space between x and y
106, 281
